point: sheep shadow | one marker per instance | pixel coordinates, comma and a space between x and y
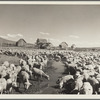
17, 90
55, 86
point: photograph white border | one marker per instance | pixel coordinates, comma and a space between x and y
52, 2
47, 96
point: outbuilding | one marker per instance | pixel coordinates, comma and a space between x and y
21, 43
63, 45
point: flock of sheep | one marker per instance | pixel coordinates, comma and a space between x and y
12, 76
81, 74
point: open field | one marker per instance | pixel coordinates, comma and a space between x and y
59, 63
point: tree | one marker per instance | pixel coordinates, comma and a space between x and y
43, 44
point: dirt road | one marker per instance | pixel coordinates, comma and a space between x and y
49, 87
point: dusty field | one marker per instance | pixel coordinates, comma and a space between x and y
55, 69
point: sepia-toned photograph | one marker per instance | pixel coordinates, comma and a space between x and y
50, 49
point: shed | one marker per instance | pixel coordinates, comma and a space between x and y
63, 45
21, 43
73, 46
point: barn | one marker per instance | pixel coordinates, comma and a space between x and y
21, 43
73, 46
63, 45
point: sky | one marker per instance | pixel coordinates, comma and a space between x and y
73, 24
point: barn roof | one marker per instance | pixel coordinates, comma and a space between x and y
64, 43
21, 40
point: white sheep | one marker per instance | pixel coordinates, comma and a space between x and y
86, 89
63, 80
18, 69
78, 83
25, 67
30, 62
3, 73
21, 61
13, 76
3, 85
39, 72
12, 67
6, 63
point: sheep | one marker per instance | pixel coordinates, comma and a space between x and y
8, 70
89, 67
45, 61
78, 85
38, 65
12, 67
18, 69
97, 68
85, 75
25, 67
21, 62
13, 76
63, 80
10, 85
39, 72
94, 83
78, 82
3, 73
30, 63
3, 67
6, 64
24, 78
86, 89
71, 67
3, 85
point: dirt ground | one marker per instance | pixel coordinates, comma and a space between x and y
42, 86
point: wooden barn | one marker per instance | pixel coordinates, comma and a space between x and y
73, 46
63, 45
21, 43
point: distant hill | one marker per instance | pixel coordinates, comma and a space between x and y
5, 42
